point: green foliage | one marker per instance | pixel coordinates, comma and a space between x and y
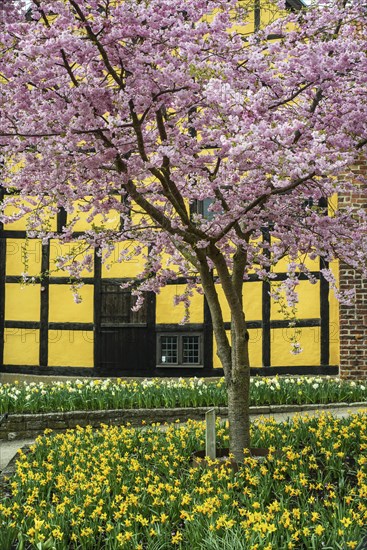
94, 394
137, 489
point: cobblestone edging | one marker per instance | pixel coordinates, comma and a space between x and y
23, 426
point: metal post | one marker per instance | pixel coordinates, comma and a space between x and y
210, 437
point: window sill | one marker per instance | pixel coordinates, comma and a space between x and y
178, 366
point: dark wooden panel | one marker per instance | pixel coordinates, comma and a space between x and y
257, 15
45, 266
126, 349
22, 324
71, 326
97, 310
61, 219
208, 337
116, 304
126, 338
325, 318
192, 327
266, 310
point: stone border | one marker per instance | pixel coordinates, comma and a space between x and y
24, 426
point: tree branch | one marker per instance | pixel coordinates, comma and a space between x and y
41, 11
94, 38
292, 96
362, 143
259, 201
68, 68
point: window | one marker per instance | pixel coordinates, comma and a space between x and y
202, 207
116, 304
179, 350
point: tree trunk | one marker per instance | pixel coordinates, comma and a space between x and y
234, 357
238, 416
238, 389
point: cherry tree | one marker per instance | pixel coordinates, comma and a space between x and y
148, 108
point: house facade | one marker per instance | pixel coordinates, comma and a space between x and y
43, 330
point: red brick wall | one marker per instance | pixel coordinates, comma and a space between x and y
353, 319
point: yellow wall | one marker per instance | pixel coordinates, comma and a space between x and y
71, 348
22, 303
308, 306
75, 249
334, 320
282, 265
166, 312
125, 269
23, 223
16, 250
110, 221
281, 339
21, 346
63, 308
269, 12
252, 299
255, 349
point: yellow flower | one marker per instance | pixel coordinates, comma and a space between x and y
346, 522
186, 499
177, 538
57, 534
319, 529
163, 517
38, 523
123, 537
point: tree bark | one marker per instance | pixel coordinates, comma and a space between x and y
234, 357
239, 412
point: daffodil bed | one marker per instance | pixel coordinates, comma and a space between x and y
93, 394
136, 488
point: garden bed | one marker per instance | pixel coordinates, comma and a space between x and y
95, 394
137, 489
25, 426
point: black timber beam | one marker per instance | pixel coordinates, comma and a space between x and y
44, 302
2, 286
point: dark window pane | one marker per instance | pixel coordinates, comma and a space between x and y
208, 214
191, 350
169, 349
116, 306
202, 207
